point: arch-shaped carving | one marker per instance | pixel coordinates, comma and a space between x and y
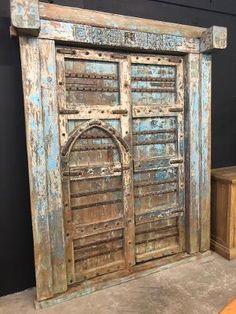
96, 189
121, 144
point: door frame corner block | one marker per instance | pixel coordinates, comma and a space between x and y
213, 38
25, 16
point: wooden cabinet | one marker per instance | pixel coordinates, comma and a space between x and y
223, 214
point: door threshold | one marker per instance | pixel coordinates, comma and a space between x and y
120, 277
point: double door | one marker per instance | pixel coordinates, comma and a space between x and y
122, 159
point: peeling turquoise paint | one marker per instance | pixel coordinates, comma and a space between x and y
111, 37
35, 99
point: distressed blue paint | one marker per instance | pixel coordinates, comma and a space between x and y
154, 71
159, 175
51, 69
25, 14
205, 67
52, 163
195, 129
115, 123
36, 150
152, 98
101, 98
35, 99
155, 123
155, 137
166, 174
154, 150
193, 149
20, 9
109, 37
73, 124
51, 139
101, 67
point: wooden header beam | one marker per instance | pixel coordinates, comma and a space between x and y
60, 13
51, 21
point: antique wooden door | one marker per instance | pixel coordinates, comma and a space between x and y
122, 159
158, 155
118, 143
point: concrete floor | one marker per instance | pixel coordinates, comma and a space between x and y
203, 286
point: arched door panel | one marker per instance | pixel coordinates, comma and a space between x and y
94, 165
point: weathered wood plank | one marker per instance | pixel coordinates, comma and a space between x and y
25, 15
69, 231
51, 142
205, 180
112, 37
110, 20
126, 123
30, 61
192, 124
181, 151
61, 97
213, 38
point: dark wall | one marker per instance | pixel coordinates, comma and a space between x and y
16, 253
16, 249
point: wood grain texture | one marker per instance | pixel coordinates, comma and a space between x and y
30, 60
193, 148
114, 38
223, 218
213, 38
126, 122
122, 176
25, 15
52, 154
55, 12
205, 158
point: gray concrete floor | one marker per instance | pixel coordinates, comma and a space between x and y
202, 286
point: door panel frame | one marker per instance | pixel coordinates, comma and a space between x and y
41, 28
126, 172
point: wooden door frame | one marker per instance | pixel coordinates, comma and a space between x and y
40, 28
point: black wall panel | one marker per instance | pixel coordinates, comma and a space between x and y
16, 248
16, 254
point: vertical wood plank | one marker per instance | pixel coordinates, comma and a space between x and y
205, 131
51, 138
30, 62
126, 129
61, 97
69, 246
63, 134
193, 150
181, 152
